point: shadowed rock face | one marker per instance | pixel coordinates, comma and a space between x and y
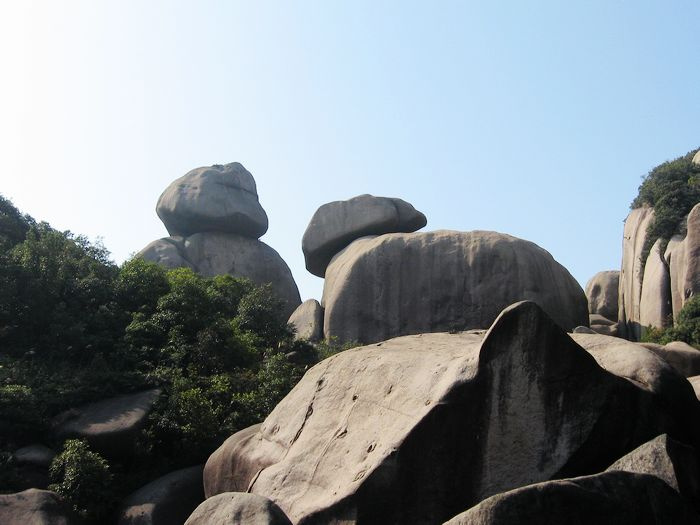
338, 223
213, 199
622, 498
35, 506
409, 283
419, 428
238, 508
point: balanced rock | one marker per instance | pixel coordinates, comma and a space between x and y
630, 292
409, 283
213, 199
168, 499
238, 508
35, 507
620, 498
211, 254
419, 428
602, 294
111, 426
307, 320
669, 460
338, 223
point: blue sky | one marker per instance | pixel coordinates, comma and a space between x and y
536, 119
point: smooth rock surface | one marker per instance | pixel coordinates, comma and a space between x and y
219, 198
610, 498
418, 428
338, 223
238, 508
111, 426
630, 292
35, 507
307, 320
167, 500
167, 252
681, 356
408, 283
696, 158
684, 259
602, 292
655, 308
668, 460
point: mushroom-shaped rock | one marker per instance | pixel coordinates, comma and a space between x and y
213, 199
602, 294
622, 498
669, 460
418, 428
111, 426
307, 320
338, 223
166, 500
34, 506
238, 508
409, 283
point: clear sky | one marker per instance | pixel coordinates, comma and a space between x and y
534, 118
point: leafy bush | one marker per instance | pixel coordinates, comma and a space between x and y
687, 327
83, 478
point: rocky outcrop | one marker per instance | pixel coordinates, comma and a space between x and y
622, 498
655, 301
602, 293
409, 283
34, 506
307, 320
215, 219
238, 508
111, 426
684, 358
630, 292
169, 499
213, 199
669, 460
684, 262
419, 428
338, 223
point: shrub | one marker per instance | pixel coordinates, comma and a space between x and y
687, 327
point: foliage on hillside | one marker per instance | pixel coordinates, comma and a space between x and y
687, 327
672, 189
76, 328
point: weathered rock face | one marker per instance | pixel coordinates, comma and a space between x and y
621, 498
213, 199
602, 293
238, 508
338, 223
602, 325
307, 320
212, 254
630, 293
681, 356
35, 506
696, 158
169, 499
418, 428
684, 260
655, 302
111, 426
669, 460
398, 284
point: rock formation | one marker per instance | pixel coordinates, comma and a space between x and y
238, 508
214, 218
307, 320
602, 294
336, 224
33, 506
409, 283
419, 428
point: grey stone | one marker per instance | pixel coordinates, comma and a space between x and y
583, 330
601, 325
669, 460
408, 283
630, 292
695, 383
655, 302
600, 320
111, 426
418, 428
238, 508
37, 455
35, 507
619, 498
684, 260
166, 500
167, 252
307, 320
681, 356
696, 158
213, 199
602, 293
338, 223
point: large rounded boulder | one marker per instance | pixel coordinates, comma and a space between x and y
409, 283
602, 293
338, 223
220, 198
